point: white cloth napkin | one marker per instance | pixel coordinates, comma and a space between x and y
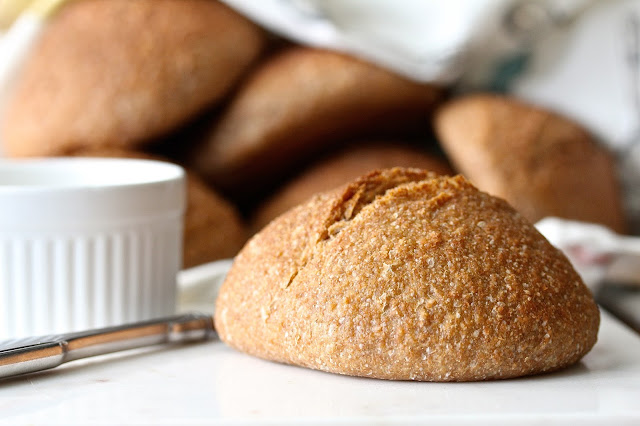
424, 40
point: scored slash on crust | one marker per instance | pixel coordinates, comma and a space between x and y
354, 198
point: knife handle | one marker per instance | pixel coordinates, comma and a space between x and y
42, 353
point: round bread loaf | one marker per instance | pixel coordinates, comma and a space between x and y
341, 168
406, 275
298, 102
541, 163
121, 72
213, 228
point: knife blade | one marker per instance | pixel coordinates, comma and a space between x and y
22, 356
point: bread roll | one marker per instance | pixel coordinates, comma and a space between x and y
405, 275
213, 228
343, 167
541, 163
299, 102
119, 73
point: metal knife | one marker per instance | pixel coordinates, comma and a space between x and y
32, 354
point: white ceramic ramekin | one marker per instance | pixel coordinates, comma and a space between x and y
87, 242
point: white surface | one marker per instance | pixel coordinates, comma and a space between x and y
211, 383
87, 243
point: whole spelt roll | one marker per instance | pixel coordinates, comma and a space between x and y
119, 73
540, 162
406, 275
299, 102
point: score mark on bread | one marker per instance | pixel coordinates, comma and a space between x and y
406, 275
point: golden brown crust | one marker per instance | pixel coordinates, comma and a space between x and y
120, 72
404, 275
213, 228
299, 101
542, 163
341, 168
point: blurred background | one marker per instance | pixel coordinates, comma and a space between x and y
266, 103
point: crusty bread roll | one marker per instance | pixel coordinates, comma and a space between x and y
405, 275
343, 167
298, 102
541, 163
213, 228
121, 72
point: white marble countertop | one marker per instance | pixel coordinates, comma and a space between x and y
210, 383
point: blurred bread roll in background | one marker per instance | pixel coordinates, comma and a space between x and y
540, 162
301, 101
342, 167
213, 228
119, 73
405, 275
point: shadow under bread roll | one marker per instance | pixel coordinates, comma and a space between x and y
540, 162
213, 228
297, 103
121, 73
342, 167
405, 275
